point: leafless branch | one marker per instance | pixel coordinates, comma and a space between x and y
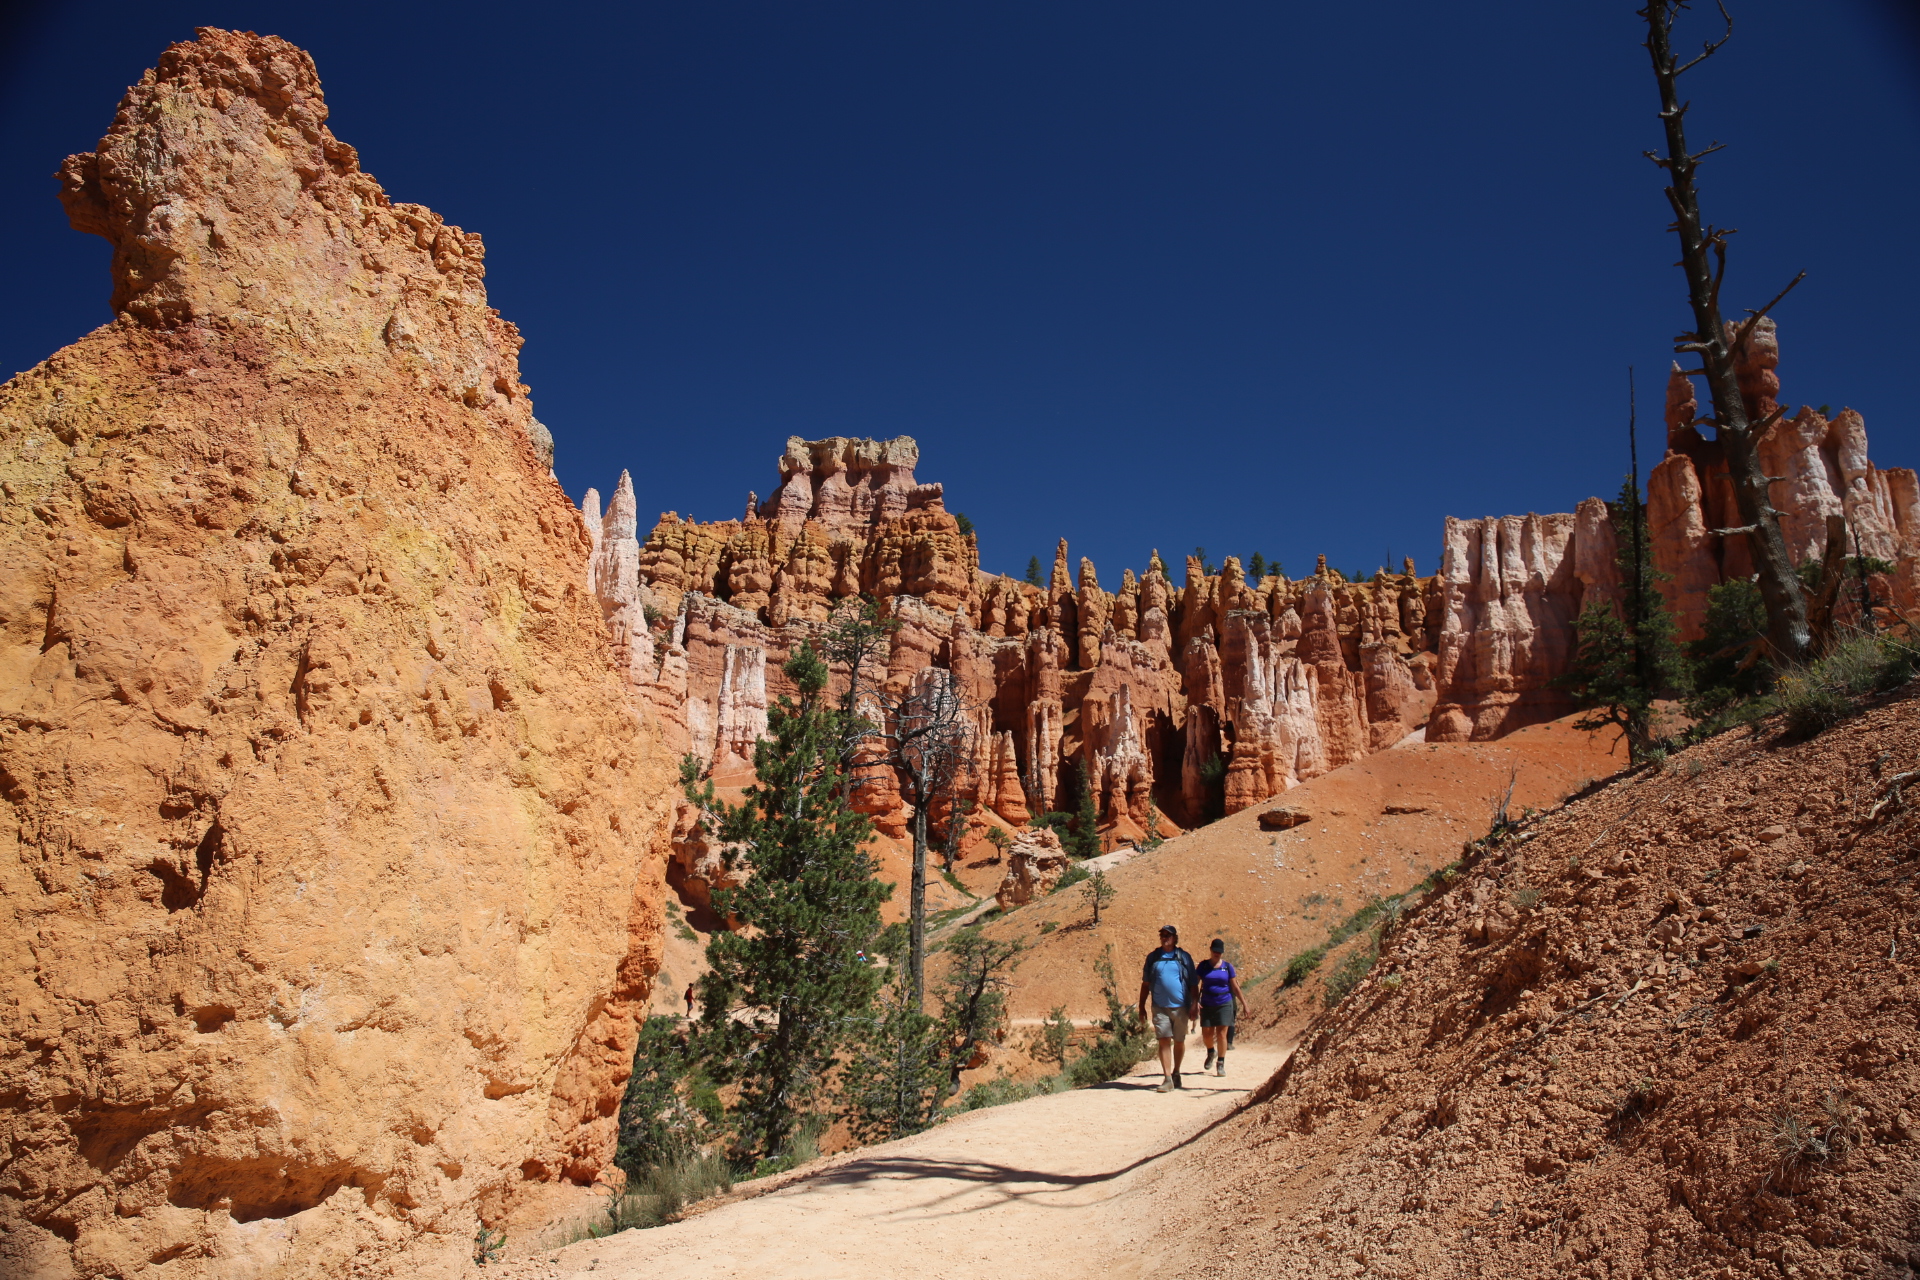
1747, 325
1708, 47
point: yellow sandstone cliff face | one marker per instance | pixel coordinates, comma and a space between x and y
332, 847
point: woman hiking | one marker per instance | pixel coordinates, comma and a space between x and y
1220, 1000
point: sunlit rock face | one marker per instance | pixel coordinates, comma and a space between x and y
1171, 703
1210, 696
1820, 468
334, 840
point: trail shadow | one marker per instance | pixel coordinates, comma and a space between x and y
1012, 1182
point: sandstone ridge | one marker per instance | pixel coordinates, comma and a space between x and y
334, 848
1212, 694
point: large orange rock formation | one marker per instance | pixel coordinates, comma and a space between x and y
1212, 695
333, 846
1194, 698
1821, 469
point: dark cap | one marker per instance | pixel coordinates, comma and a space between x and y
1167, 928
1217, 945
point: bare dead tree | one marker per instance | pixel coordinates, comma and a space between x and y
1718, 346
927, 734
856, 634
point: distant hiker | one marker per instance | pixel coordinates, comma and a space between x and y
1220, 1000
689, 999
1168, 977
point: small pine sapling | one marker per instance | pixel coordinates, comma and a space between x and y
1056, 1033
1099, 892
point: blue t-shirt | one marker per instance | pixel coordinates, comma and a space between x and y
1169, 974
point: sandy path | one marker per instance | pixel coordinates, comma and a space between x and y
1054, 1187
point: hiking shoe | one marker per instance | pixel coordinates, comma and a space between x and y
1176, 1081
1165, 1085
1220, 1065
1208, 1062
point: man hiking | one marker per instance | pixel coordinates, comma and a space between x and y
1168, 978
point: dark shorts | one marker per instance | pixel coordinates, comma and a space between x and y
1218, 1016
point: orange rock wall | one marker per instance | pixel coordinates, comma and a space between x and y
1206, 697
332, 861
1822, 469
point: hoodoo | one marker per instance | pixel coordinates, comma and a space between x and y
334, 849
1202, 697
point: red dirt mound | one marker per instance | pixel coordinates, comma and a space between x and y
1665, 1031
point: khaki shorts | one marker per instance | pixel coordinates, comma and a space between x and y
1169, 1024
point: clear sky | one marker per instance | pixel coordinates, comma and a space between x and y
1263, 275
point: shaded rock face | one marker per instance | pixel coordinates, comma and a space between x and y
1822, 469
333, 844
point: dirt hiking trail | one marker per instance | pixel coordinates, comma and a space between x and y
1051, 1187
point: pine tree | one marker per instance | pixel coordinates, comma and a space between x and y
1033, 573
1257, 568
810, 904
669, 1106
1099, 893
973, 994
1627, 656
896, 1077
1084, 840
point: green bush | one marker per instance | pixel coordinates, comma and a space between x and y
1825, 692
660, 1193
1056, 1034
1344, 979
1073, 875
1000, 1091
1303, 964
1107, 1058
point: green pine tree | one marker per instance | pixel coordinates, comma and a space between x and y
1084, 840
785, 987
1257, 567
1627, 656
1729, 662
670, 1106
1033, 572
896, 1076
973, 993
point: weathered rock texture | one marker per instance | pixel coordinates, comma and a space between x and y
1211, 695
1195, 699
1192, 699
1035, 863
1822, 469
333, 847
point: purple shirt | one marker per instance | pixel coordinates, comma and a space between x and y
1216, 984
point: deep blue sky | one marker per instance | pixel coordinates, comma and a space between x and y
1270, 275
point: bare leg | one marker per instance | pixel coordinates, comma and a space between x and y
1179, 1052
1169, 1057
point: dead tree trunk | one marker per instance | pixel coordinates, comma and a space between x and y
927, 730
1787, 624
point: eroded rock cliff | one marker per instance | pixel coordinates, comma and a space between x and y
1821, 469
1174, 703
334, 847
